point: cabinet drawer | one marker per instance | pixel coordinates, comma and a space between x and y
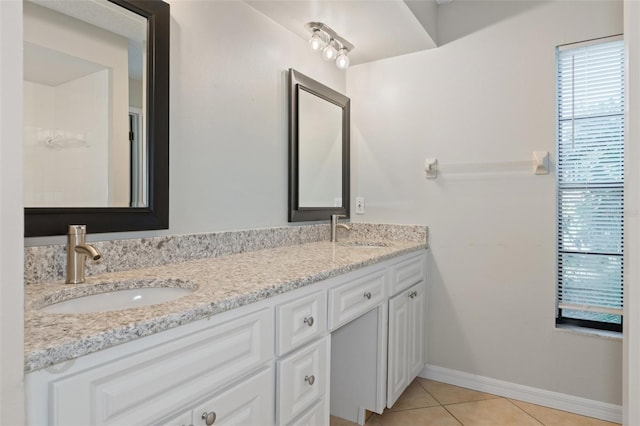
314, 416
407, 273
248, 403
146, 385
355, 298
300, 321
303, 380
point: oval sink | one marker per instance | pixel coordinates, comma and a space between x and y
117, 300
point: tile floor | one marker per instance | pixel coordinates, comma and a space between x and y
426, 402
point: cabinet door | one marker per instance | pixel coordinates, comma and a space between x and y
164, 379
247, 403
417, 317
399, 329
303, 380
406, 339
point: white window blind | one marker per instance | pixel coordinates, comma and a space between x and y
590, 172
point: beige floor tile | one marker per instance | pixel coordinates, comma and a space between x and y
430, 416
414, 397
551, 417
491, 412
449, 394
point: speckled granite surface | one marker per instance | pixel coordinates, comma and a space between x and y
223, 282
47, 263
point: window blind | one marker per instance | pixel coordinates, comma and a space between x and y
590, 178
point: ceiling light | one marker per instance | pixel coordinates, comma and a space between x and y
343, 60
330, 52
333, 46
316, 42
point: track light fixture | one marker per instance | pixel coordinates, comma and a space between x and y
333, 46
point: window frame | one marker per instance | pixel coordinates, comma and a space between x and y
562, 320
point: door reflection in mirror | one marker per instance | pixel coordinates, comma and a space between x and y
84, 69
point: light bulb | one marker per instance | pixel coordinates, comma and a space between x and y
316, 43
330, 52
342, 61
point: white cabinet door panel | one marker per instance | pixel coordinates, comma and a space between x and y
406, 339
248, 403
152, 383
303, 379
317, 415
398, 346
300, 321
355, 298
407, 273
184, 419
418, 328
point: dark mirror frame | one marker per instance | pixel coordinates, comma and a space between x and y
297, 82
43, 221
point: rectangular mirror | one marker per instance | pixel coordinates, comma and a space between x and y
95, 115
318, 150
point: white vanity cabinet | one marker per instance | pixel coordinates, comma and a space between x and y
162, 378
407, 322
270, 362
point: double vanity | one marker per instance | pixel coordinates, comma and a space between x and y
281, 335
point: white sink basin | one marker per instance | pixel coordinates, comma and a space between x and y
117, 300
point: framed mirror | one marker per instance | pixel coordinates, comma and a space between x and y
96, 115
319, 169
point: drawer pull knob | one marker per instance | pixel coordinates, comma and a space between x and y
310, 379
367, 295
209, 418
308, 321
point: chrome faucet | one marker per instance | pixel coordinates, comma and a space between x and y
335, 225
77, 250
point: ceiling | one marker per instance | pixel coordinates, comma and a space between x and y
52, 68
377, 28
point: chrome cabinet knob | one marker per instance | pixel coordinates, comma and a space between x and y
209, 418
308, 321
413, 294
310, 379
367, 295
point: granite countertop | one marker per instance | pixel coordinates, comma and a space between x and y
222, 283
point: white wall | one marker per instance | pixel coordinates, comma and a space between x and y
228, 132
486, 95
11, 215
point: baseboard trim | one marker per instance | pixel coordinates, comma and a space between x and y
560, 401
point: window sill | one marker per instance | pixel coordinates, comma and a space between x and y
583, 331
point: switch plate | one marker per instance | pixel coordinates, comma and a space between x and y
359, 205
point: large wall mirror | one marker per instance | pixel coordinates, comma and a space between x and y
96, 115
318, 150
